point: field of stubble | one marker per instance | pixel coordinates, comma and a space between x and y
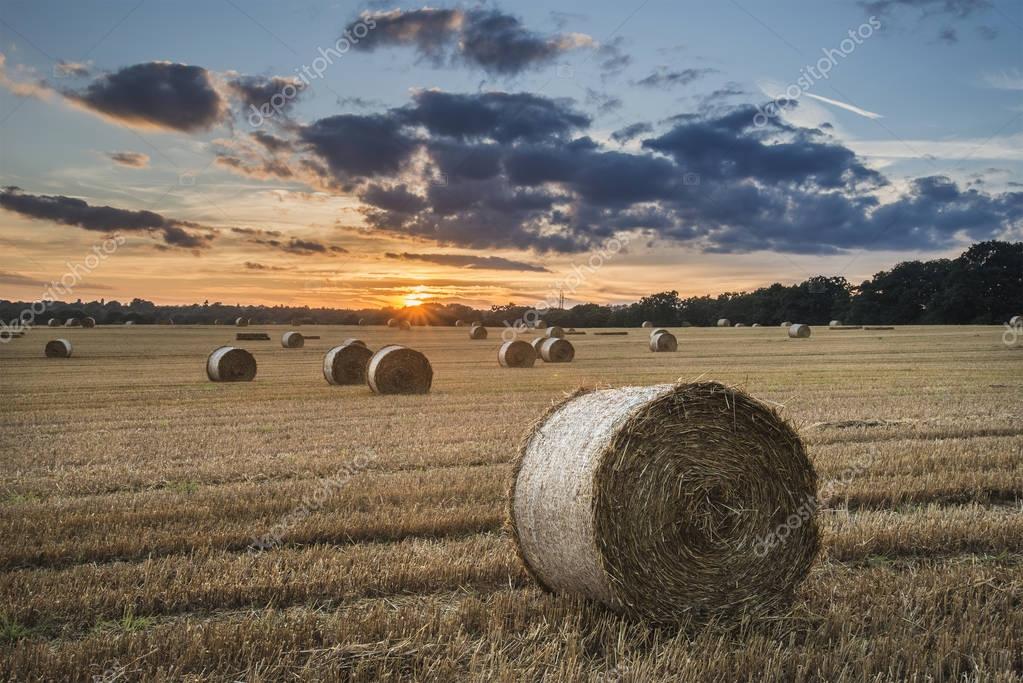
132, 488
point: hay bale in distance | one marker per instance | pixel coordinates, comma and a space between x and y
57, 348
459, 323
477, 332
554, 332
230, 364
835, 323
663, 341
404, 325
398, 369
72, 322
88, 322
724, 322
392, 322
292, 340
53, 322
557, 350
786, 324
353, 340
1016, 321
362, 321
540, 325
755, 325
129, 322
799, 331
647, 323
740, 324
665, 501
516, 354
347, 364
241, 322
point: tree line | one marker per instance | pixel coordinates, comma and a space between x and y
984, 285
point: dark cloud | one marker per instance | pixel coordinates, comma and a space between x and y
471, 262
132, 159
958, 8
253, 265
277, 92
612, 57
664, 78
504, 117
395, 199
487, 38
271, 142
354, 145
630, 132
604, 103
948, 35
300, 247
106, 219
256, 231
155, 95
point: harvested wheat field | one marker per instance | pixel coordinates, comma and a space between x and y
157, 525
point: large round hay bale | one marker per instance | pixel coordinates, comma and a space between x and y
230, 364
666, 502
392, 322
241, 322
554, 331
786, 324
57, 348
399, 370
516, 354
799, 331
89, 322
724, 322
72, 322
404, 325
1016, 321
292, 340
346, 364
647, 323
477, 332
835, 323
53, 322
657, 331
665, 341
356, 342
555, 350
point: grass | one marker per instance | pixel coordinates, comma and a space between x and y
135, 490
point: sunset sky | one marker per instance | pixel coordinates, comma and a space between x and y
365, 154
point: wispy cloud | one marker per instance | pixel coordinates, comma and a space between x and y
1007, 79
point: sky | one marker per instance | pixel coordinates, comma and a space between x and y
349, 154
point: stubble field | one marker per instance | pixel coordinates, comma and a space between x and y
132, 490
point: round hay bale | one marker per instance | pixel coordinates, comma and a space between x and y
540, 325
665, 341
724, 322
362, 321
786, 324
665, 502
554, 331
404, 325
399, 370
516, 354
216, 321
346, 364
647, 323
740, 324
477, 332
658, 331
292, 340
72, 322
241, 322
356, 342
53, 322
57, 348
230, 364
537, 343
555, 350
835, 323
89, 322
755, 325
459, 323
392, 322
799, 331
1016, 321
129, 322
